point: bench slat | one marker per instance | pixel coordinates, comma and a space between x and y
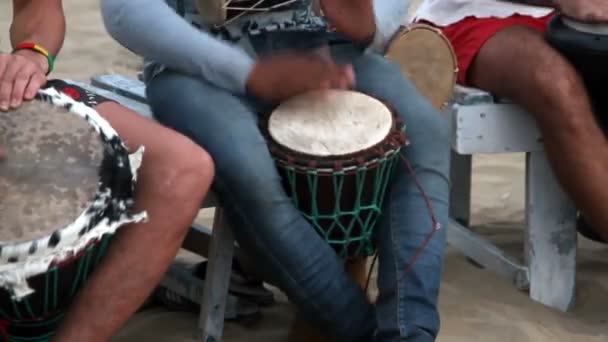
122, 85
494, 128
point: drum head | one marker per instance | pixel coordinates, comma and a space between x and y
50, 172
330, 123
427, 59
596, 29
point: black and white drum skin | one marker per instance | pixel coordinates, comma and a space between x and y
66, 185
586, 47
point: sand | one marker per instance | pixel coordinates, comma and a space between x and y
475, 304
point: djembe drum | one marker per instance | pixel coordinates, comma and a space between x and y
426, 58
336, 152
66, 185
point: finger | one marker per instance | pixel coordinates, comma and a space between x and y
3, 64
36, 82
6, 85
349, 72
5, 93
21, 80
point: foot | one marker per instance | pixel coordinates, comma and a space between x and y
587, 231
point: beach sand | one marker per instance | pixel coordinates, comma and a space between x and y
475, 304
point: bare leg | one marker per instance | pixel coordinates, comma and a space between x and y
517, 63
172, 183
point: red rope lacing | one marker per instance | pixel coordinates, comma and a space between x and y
435, 227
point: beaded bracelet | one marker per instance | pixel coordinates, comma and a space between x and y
35, 47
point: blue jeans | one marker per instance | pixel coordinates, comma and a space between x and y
291, 253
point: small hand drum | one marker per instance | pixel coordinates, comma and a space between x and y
427, 59
336, 152
586, 47
66, 185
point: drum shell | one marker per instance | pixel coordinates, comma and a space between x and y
349, 199
38, 315
588, 53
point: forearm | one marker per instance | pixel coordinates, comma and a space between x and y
152, 29
38, 21
390, 15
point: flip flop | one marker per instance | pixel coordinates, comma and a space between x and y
585, 229
246, 311
242, 285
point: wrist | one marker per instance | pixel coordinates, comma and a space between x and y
47, 67
40, 60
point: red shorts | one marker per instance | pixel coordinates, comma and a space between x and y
468, 36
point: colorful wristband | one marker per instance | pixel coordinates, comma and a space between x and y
40, 50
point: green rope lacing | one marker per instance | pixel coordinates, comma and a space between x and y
24, 315
349, 229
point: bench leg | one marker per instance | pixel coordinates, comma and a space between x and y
217, 281
460, 192
550, 236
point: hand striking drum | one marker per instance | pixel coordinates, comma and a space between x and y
66, 185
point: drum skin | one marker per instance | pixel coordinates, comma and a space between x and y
50, 172
427, 59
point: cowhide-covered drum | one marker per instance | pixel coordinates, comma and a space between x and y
66, 185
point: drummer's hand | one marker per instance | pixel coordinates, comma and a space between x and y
287, 74
353, 18
22, 73
590, 11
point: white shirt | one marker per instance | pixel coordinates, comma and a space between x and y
447, 12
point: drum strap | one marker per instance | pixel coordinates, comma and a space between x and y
435, 226
77, 93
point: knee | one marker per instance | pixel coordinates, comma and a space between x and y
563, 94
182, 173
377, 75
556, 80
430, 130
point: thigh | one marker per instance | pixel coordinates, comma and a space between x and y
224, 124
137, 131
518, 62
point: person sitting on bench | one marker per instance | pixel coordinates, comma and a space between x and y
502, 48
209, 84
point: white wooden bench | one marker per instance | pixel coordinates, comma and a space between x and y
480, 125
